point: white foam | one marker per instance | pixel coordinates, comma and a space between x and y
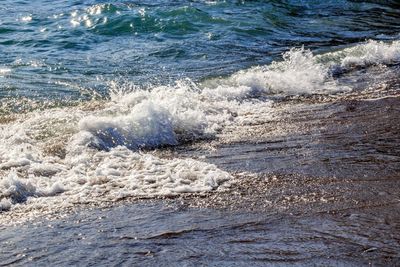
14, 190
101, 160
297, 73
71, 155
165, 115
301, 72
137, 174
146, 125
369, 53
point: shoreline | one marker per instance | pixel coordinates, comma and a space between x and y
298, 215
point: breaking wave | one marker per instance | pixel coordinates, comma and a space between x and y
98, 151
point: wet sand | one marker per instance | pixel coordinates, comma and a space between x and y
334, 162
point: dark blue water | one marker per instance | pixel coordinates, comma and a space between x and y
68, 49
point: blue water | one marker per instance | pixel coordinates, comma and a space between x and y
216, 133
71, 49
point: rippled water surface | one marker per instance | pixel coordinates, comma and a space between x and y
67, 48
217, 133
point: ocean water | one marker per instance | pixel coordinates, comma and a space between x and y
103, 102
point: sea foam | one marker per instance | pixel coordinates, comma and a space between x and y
302, 72
69, 155
369, 53
299, 72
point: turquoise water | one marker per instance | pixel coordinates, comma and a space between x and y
72, 49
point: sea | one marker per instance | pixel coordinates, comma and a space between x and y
199, 133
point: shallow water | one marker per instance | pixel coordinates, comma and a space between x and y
204, 132
155, 234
